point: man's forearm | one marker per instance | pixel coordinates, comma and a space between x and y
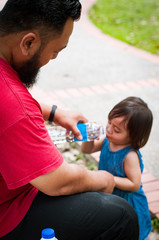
70, 179
83, 180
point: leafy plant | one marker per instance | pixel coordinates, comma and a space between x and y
155, 224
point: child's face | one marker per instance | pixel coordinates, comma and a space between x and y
116, 131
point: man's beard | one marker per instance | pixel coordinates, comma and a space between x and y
28, 71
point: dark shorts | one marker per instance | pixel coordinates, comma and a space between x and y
85, 216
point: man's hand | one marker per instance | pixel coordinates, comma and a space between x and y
66, 119
69, 120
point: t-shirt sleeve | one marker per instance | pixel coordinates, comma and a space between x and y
27, 152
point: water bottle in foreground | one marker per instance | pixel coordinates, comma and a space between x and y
48, 233
89, 131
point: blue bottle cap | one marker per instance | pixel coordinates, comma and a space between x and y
47, 233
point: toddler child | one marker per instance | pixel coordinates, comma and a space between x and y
128, 129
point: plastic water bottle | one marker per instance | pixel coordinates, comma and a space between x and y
89, 131
48, 233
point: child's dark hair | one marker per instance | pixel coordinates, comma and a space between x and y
46, 16
139, 119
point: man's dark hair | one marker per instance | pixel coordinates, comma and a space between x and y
47, 16
138, 118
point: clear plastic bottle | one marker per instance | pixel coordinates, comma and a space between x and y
90, 131
48, 233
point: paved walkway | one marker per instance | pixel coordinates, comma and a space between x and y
150, 183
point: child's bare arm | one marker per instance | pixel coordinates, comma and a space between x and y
93, 146
132, 170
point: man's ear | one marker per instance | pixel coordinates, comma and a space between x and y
29, 44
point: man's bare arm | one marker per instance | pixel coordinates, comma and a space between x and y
70, 179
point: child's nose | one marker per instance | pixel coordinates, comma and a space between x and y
109, 129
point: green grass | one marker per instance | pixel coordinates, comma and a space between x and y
135, 22
155, 224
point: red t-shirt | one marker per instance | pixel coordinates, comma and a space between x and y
26, 150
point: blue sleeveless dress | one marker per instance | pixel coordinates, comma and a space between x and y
113, 162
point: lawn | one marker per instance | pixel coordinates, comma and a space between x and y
135, 22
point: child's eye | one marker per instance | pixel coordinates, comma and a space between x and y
116, 130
